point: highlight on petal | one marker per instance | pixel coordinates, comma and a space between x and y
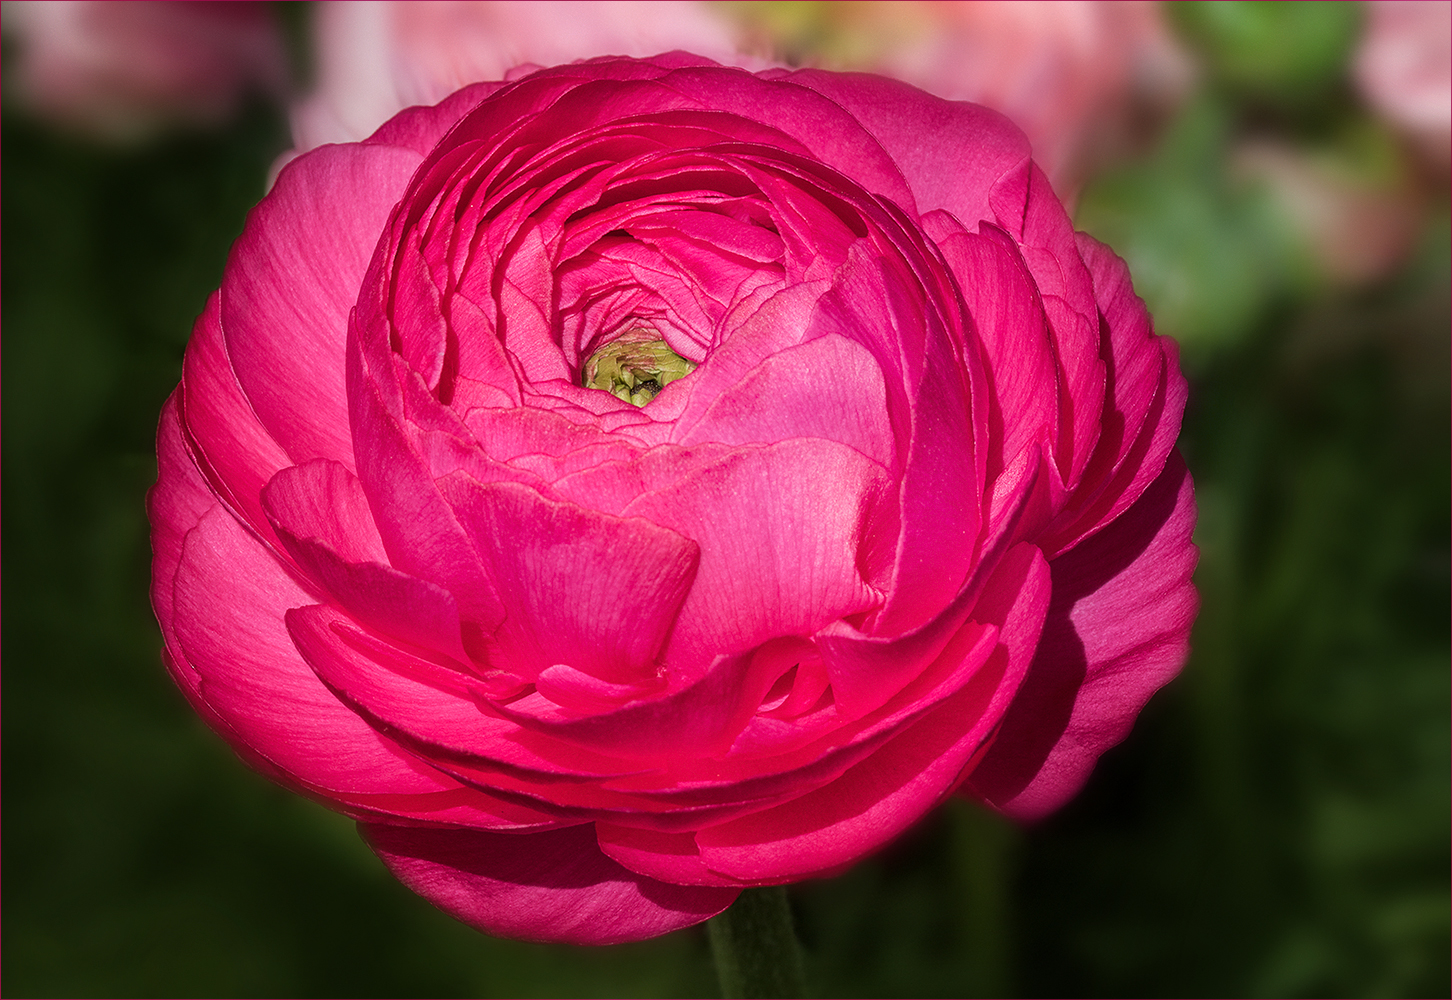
292, 278
596, 592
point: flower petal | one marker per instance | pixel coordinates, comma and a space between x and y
670, 857
1025, 206
591, 590
1014, 336
230, 599
291, 280
551, 886
1145, 401
830, 388
778, 529
877, 799
234, 452
951, 152
1118, 629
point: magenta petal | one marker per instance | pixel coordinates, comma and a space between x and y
699, 719
437, 712
1024, 204
419, 530
867, 669
940, 487
1142, 414
876, 800
1014, 335
670, 857
1117, 630
322, 517
778, 529
951, 152
234, 451
597, 592
175, 505
291, 281
551, 886
420, 128
325, 501
830, 388
230, 600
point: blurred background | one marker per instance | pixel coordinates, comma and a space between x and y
1277, 823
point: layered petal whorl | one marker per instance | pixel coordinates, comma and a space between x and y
880, 504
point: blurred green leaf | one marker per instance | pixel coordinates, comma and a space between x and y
1270, 51
1203, 250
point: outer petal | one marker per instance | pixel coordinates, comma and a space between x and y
671, 857
952, 153
1144, 401
420, 128
230, 598
1025, 205
234, 452
1118, 629
178, 501
552, 886
321, 517
292, 279
1014, 337
879, 798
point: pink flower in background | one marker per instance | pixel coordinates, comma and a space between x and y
1355, 226
1080, 77
377, 58
1404, 67
1065, 72
646, 479
121, 70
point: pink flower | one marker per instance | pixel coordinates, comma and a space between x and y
1078, 76
124, 69
1404, 67
646, 479
375, 59
1356, 226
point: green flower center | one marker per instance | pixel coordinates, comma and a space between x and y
635, 369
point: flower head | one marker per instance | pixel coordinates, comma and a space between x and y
646, 479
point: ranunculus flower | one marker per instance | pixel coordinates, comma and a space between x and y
646, 479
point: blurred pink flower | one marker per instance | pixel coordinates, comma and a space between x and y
377, 58
1073, 75
1356, 226
1404, 68
122, 70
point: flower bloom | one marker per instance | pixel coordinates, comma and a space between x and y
375, 59
646, 479
1080, 77
1404, 69
124, 69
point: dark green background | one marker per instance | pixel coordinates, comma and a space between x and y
1277, 824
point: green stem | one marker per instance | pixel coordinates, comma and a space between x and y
756, 950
